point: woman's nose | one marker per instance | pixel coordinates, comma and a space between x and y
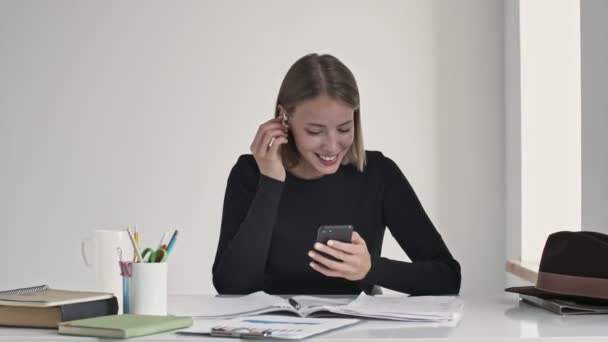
331, 143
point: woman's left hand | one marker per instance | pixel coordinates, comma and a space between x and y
354, 261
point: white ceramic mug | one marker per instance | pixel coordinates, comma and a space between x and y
105, 259
148, 289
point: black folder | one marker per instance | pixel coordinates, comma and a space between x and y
566, 307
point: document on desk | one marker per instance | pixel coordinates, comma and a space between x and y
413, 309
268, 326
224, 307
391, 307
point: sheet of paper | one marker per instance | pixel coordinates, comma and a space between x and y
202, 325
312, 301
282, 327
390, 307
421, 308
376, 324
205, 306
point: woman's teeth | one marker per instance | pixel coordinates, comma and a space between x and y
330, 158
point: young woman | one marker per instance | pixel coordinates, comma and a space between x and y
308, 168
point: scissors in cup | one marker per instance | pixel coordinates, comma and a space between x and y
159, 255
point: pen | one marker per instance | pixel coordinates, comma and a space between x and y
125, 273
136, 234
172, 242
137, 252
249, 333
162, 239
294, 303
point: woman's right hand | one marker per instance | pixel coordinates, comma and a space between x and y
265, 148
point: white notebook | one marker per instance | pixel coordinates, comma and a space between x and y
391, 307
43, 296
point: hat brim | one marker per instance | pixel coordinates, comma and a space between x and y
533, 291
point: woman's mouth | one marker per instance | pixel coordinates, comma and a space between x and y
327, 160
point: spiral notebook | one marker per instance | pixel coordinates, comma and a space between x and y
44, 296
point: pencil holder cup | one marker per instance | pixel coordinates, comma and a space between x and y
148, 288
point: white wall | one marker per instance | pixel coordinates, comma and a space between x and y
513, 143
594, 82
550, 121
471, 137
118, 113
557, 66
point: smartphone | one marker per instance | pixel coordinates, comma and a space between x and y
341, 233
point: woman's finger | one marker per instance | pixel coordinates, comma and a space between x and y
269, 141
324, 270
274, 149
336, 253
259, 134
270, 124
344, 246
330, 264
357, 239
269, 136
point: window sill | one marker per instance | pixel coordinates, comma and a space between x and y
522, 269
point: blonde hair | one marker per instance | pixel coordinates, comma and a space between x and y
314, 75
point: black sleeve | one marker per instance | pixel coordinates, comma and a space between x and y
250, 209
433, 270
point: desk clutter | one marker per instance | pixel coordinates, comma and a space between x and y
79, 313
133, 302
95, 314
43, 307
141, 277
387, 307
122, 261
305, 316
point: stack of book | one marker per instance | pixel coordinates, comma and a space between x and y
43, 307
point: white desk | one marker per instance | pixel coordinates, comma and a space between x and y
498, 318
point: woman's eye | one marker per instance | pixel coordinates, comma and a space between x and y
344, 130
313, 132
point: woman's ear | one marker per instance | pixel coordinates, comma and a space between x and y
283, 114
281, 109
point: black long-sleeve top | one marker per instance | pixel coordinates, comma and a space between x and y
268, 227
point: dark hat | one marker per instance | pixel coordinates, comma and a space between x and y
574, 266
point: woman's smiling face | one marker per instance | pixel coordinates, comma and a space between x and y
323, 130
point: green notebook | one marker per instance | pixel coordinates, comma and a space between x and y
124, 326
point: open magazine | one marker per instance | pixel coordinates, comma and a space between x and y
399, 307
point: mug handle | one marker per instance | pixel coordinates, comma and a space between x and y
83, 252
